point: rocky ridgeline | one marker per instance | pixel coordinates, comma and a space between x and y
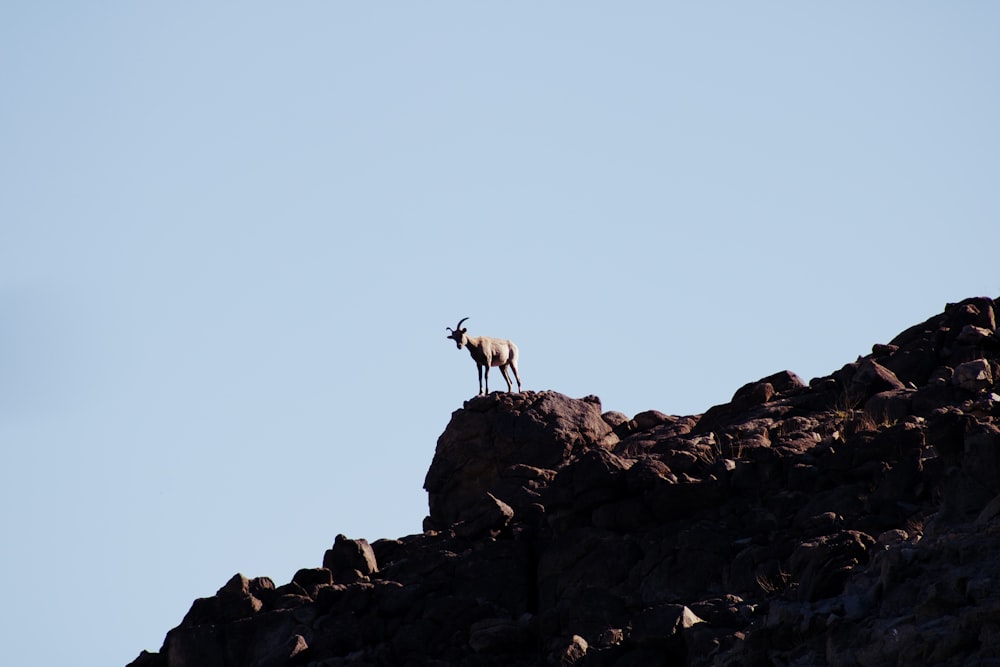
851, 521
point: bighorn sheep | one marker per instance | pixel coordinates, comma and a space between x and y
488, 352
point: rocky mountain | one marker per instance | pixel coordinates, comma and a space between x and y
853, 520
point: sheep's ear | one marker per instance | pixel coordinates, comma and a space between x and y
463, 329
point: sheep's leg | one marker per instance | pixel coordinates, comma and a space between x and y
517, 377
503, 370
480, 369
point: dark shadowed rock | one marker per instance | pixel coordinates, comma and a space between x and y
973, 376
484, 516
350, 555
662, 627
496, 636
567, 652
891, 405
871, 378
493, 433
748, 397
147, 659
977, 311
822, 565
853, 521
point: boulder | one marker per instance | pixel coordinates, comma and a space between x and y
890, 406
977, 311
493, 433
567, 652
749, 396
348, 555
822, 566
872, 378
973, 375
486, 515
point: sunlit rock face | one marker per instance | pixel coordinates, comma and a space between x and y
850, 520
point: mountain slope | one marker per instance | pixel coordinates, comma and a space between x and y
853, 520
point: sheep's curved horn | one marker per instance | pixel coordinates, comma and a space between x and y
460, 323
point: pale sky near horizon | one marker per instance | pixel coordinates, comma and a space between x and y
232, 236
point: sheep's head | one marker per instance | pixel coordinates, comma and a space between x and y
458, 334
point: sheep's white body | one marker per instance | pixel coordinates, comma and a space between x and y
488, 352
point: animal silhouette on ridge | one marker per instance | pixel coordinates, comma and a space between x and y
487, 352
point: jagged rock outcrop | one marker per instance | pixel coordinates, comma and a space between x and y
509, 447
853, 520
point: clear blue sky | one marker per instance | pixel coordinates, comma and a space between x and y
232, 235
